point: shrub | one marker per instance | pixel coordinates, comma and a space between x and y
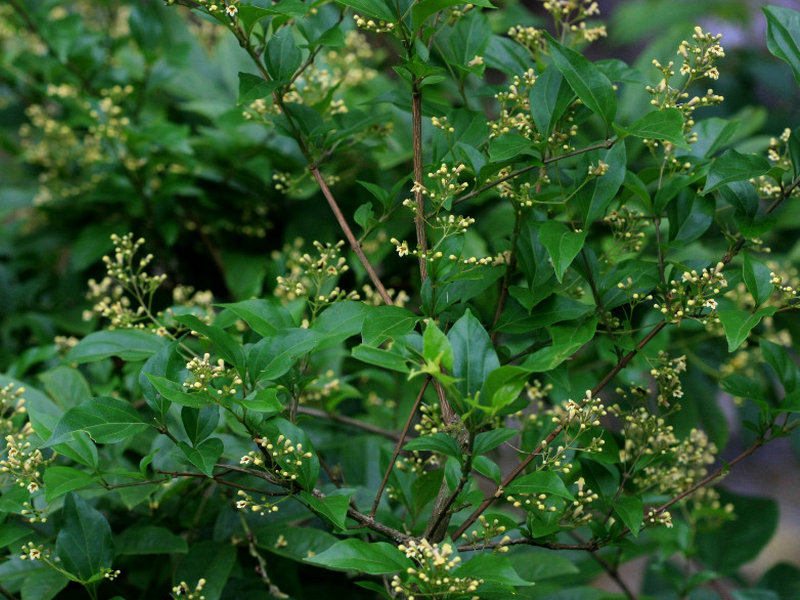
508, 372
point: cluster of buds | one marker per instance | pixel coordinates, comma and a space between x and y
22, 463
262, 506
371, 297
489, 530
658, 518
443, 124
12, 405
320, 388
433, 577
431, 421
666, 373
182, 590
515, 108
694, 295
626, 226
778, 152
580, 511
125, 275
35, 552
288, 457
444, 184
787, 282
598, 170
699, 59
315, 277
529, 38
378, 26
203, 376
538, 502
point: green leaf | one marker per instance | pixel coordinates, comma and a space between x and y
794, 151
127, 344
732, 166
785, 368
263, 401
550, 96
205, 455
387, 359
742, 386
790, 403
438, 442
84, 542
562, 244
199, 423
224, 344
371, 8
384, 322
491, 568
631, 510
540, 482
308, 472
566, 341
594, 198
149, 539
738, 324
783, 25
66, 386
175, 392
592, 86
474, 356
666, 125
436, 347
107, 420
690, 215
263, 317
534, 565
252, 87
376, 558
757, 278
283, 57
342, 320
503, 386
166, 363
489, 440
301, 542
333, 508
511, 147
274, 356
487, 467
58, 480
426, 8
212, 560
43, 584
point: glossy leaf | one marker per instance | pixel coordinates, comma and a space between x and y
436, 347
474, 356
252, 87
540, 482
175, 392
377, 558
757, 278
107, 420
331, 507
665, 125
283, 57
738, 324
783, 25
785, 368
273, 356
224, 344
550, 97
205, 455
127, 344
594, 198
562, 244
149, 539
58, 480
263, 317
630, 509
385, 322
592, 87
733, 166
380, 358
443, 443
84, 542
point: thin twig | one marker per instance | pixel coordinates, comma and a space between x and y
419, 197
397, 447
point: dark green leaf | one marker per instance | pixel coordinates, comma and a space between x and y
263, 317
738, 324
562, 244
127, 344
550, 97
733, 166
199, 423
666, 125
783, 25
690, 216
333, 508
426, 8
566, 341
58, 480
107, 420
474, 356
66, 386
438, 442
779, 359
149, 539
491, 568
253, 87
510, 147
384, 322
503, 386
205, 455
757, 278
175, 392
43, 584
594, 198
84, 542
380, 358
489, 440
274, 356
540, 482
376, 558
283, 57
263, 401
631, 510
211, 560
592, 87
371, 8
224, 344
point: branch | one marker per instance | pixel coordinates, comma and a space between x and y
369, 427
419, 198
397, 447
605, 144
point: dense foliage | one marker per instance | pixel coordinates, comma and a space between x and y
401, 299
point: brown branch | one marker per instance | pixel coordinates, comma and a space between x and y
348, 233
589, 546
419, 197
397, 447
369, 427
